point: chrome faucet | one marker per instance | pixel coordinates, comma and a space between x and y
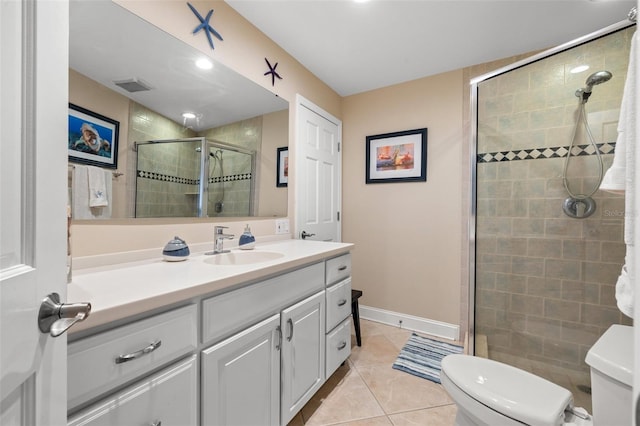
219, 237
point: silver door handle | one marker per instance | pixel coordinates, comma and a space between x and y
55, 318
305, 234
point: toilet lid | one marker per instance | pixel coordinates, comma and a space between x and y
508, 390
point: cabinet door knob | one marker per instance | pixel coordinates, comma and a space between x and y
157, 423
137, 354
342, 302
290, 322
279, 344
342, 268
342, 345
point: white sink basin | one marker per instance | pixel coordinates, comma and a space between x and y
242, 257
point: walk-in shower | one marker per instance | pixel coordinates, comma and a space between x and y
193, 177
542, 283
579, 206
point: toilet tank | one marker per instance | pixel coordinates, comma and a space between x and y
611, 362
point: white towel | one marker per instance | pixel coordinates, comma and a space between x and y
80, 195
97, 187
621, 177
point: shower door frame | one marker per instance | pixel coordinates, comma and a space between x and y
203, 187
473, 151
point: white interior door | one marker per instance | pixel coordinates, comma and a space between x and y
33, 198
318, 173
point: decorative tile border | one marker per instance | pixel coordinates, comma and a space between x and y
165, 178
542, 153
187, 181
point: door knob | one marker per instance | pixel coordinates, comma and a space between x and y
55, 318
305, 235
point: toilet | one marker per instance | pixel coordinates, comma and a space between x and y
488, 392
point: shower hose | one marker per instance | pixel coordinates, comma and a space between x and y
582, 116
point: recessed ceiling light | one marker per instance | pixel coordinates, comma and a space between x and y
578, 69
188, 115
204, 63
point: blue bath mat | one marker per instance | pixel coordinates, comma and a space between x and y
421, 357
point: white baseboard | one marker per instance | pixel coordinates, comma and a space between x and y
409, 322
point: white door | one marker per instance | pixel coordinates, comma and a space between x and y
303, 352
318, 173
33, 198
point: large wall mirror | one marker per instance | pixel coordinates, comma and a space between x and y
220, 161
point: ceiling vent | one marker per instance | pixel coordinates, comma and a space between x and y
133, 85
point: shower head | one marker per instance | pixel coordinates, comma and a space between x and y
597, 78
593, 80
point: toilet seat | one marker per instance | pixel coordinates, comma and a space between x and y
517, 395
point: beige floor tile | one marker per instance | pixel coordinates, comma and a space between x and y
374, 421
343, 400
397, 391
375, 349
437, 416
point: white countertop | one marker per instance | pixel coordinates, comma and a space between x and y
119, 291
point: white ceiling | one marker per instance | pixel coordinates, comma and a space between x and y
356, 47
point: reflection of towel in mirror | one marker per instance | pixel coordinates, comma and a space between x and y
97, 187
80, 195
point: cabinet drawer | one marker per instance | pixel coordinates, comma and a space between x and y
231, 312
338, 268
338, 303
169, 397
338, 346
96, 364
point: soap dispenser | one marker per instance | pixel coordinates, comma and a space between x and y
247, 240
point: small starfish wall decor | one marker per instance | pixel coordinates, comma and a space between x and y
273, 72
205, 25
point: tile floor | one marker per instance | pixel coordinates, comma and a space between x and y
367, 391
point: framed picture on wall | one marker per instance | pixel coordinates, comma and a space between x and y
397, 157
282, 178
92, 138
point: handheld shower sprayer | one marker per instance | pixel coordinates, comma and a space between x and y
593, 80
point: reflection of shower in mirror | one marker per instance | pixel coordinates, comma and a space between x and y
170, 173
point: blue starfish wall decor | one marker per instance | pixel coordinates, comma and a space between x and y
205, 25
272, 71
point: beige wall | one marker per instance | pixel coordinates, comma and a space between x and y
271, 198
407, 235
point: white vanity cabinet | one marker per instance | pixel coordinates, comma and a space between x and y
167, 398
303, 352
338, 318
241, 377
253, 353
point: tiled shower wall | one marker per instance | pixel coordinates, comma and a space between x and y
171, 189
156, 197
234, 188
545, 282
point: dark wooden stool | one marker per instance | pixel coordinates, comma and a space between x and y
355, 294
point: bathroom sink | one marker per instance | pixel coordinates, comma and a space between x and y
242, 257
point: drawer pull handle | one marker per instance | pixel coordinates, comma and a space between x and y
342, 302
290, 322
342, 268
342, 345
130, 357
